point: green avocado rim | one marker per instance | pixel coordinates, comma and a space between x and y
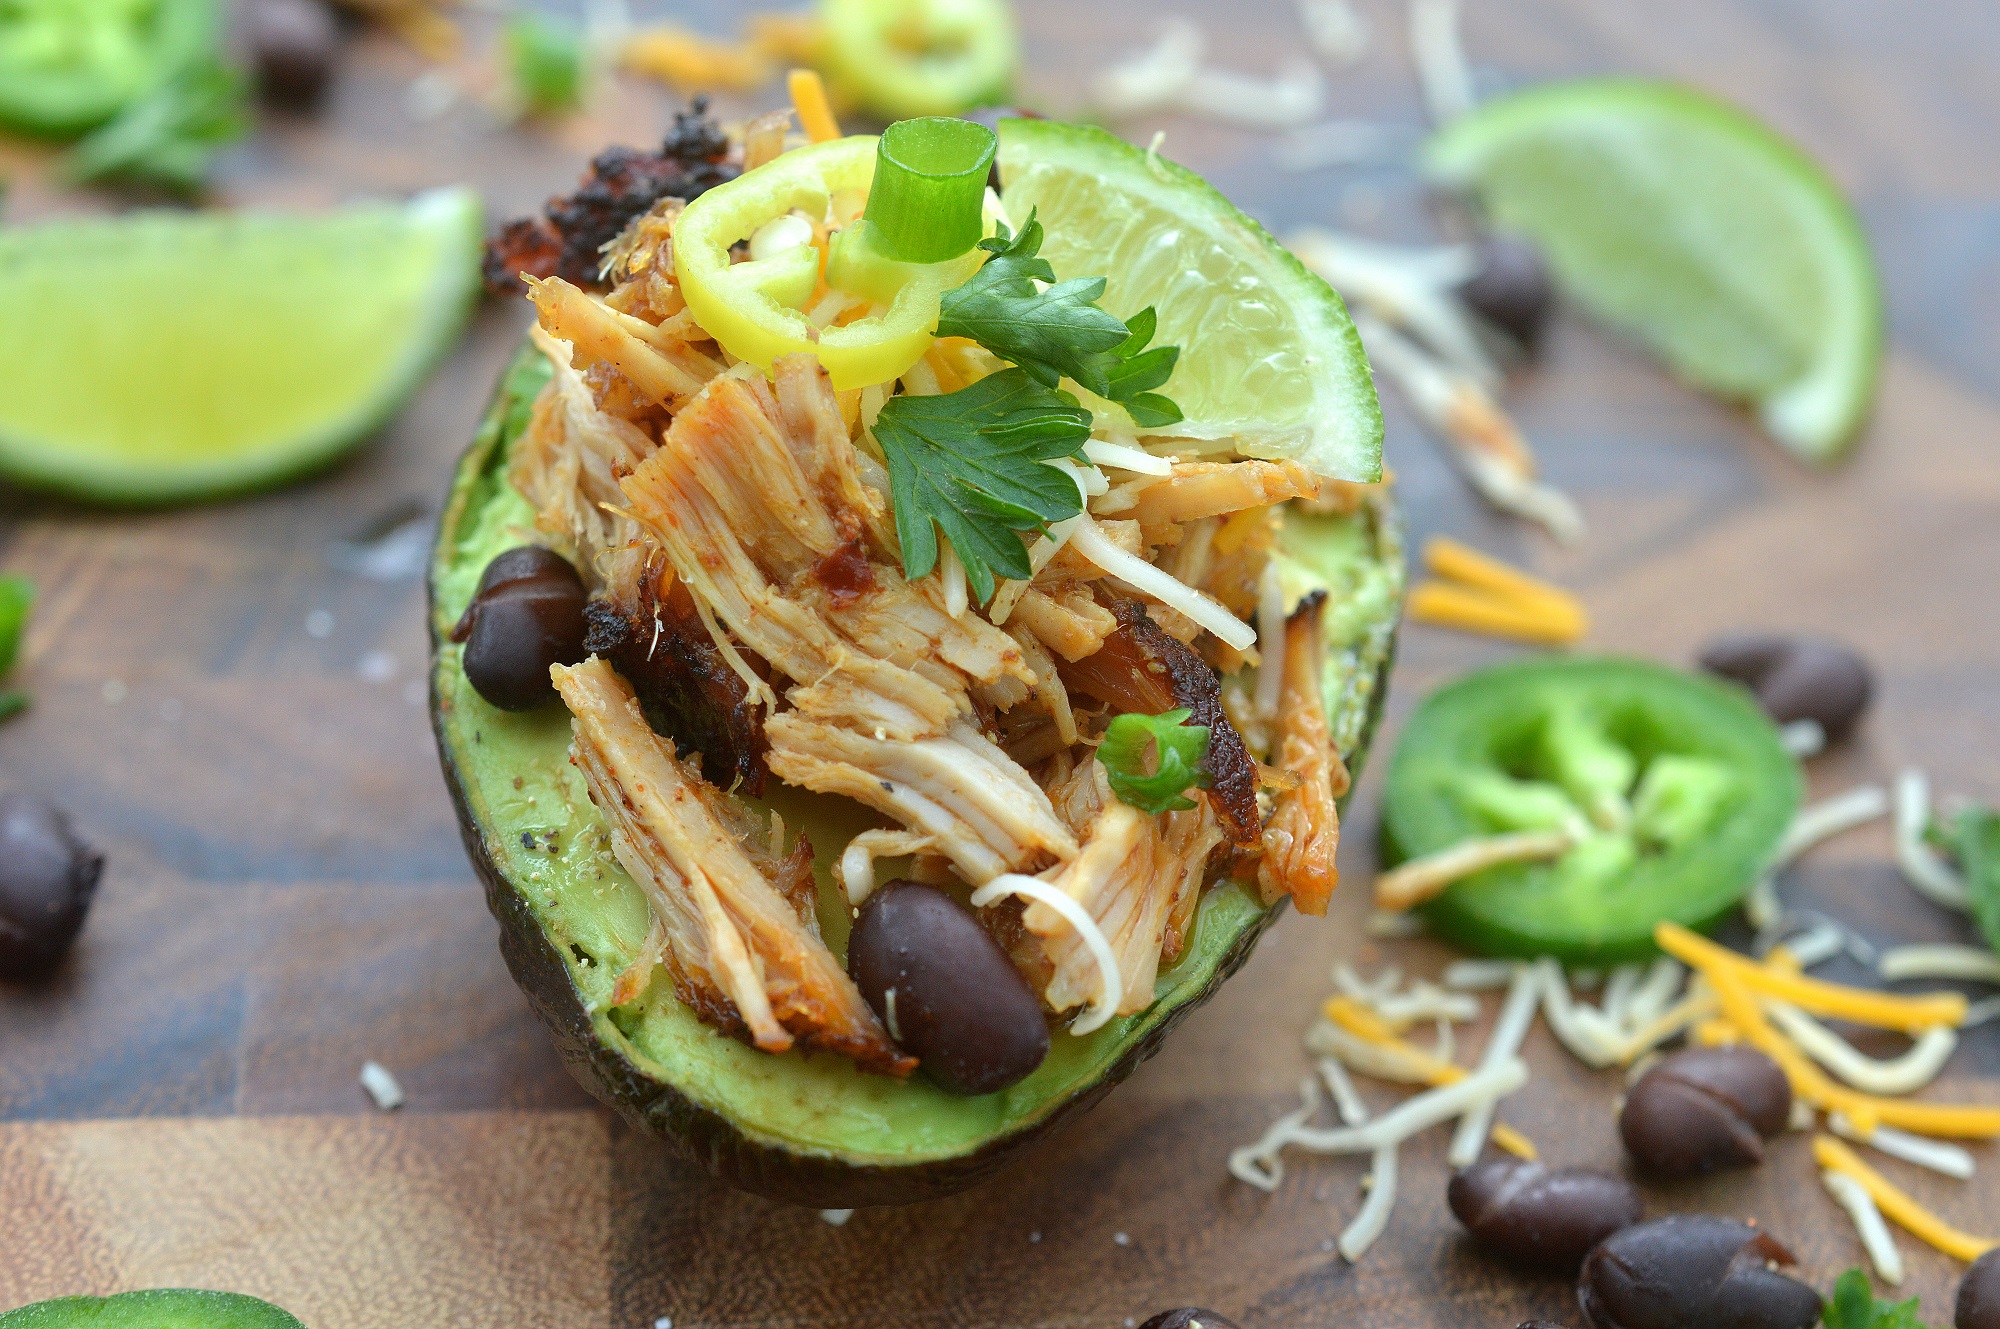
811, 1129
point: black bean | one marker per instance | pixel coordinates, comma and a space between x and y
1796, 678
1188, 1317
47, 879
1704, 1109
946, 991
526, 616
1511, 289
1539, 1216
1690, 1270
294, 44
1979, 1294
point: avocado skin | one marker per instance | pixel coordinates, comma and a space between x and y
163, 1308
705, 1138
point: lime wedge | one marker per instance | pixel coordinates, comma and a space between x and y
1687, 223
1268, 356
165, 356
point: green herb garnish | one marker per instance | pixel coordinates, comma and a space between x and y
1853, 1306
17, 598
1060, 331
170, 133
1178, 747
545, 58
971, 462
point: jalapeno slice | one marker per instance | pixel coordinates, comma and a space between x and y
760, 309
922, 57
67, 66
1676, 786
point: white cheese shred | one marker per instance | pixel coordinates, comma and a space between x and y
1373, 1219
1090, 541
1940, 1156
1126, 457
1440, 60
1111, 984
1803, 738
1884, 1078
381, 1086
1479, 975
1830, 817
1510, 1030
1876, 1240
1970, 964
951, 572
1929, 874
1340, 1086
1336, 30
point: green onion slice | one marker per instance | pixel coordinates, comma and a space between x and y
1179, 749
930, 184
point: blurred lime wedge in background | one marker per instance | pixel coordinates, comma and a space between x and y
1268, 356
1686, 222
167, 356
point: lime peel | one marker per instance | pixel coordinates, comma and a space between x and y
1268, 357
176, 356
1690, 224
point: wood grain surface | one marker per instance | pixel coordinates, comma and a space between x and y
238, 722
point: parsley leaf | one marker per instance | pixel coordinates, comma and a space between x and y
1853, 1306
971, 462
1060, 332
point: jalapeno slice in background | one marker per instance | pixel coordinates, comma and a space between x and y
1676, 785
68, 67
902, 58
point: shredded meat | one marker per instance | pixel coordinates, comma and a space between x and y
1135, 876
749, 495
741, 939
621, 184
1304, 835
1142, 669
1200, 489
569, 460
652, 634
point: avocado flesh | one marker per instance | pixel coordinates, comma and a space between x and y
173, 1308
813, 1129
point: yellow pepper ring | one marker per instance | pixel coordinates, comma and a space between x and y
735, 304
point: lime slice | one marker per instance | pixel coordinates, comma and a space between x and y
1697, 228
1268, 356
166, 356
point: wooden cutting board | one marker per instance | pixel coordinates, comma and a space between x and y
238, 721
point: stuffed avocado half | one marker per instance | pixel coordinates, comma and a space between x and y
814, 1099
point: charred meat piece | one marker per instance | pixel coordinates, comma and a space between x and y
621, 184
687, 690
1142, 669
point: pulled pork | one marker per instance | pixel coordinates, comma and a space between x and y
754, 489
1303, 837
740, 937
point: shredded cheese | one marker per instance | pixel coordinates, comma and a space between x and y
381, 1086
951, 572
1448, 558
1340, 1086
1922, 868
1444, 605
1373, 1219
1880, 1009
1939, 1156
1367, 1042
1427, 877
1126, 457
1803, 738
1090, 541
691, 62
856, 869
1900, 1075
1852, 1196
1480, 975
1831, 817
815, 111
1510, 1030
1972, 964
1440, 60
1912, 1217
1111, 984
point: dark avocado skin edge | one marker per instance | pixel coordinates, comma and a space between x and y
659, 1110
